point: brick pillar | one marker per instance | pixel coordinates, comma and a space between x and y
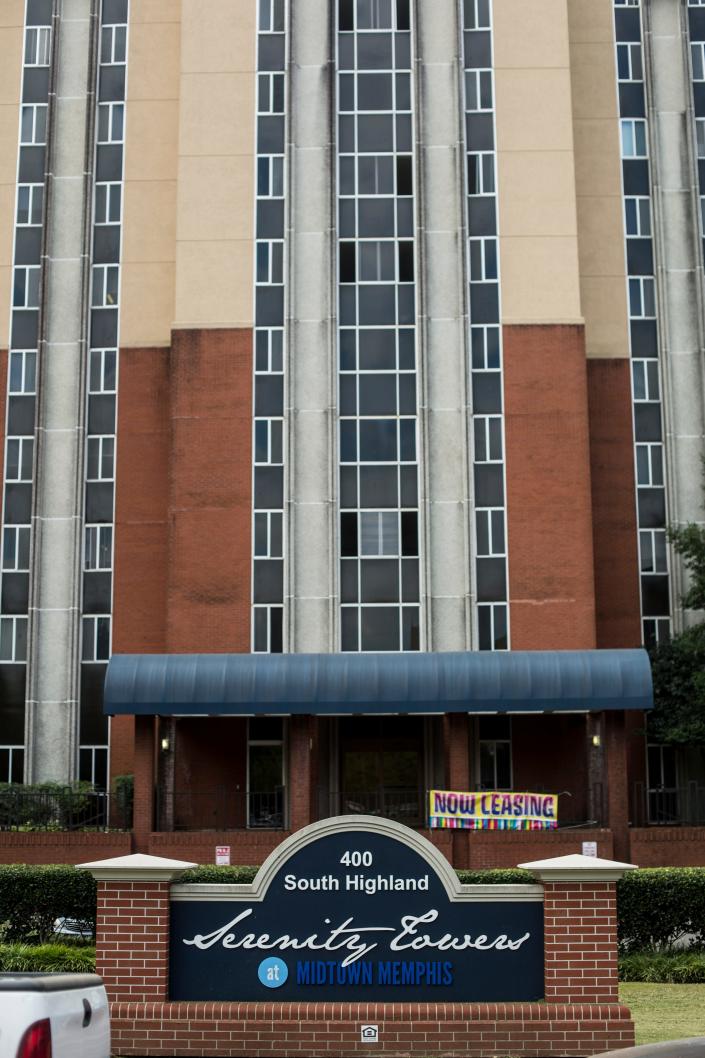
132, 925
617, 782
456, 752
301, 792
143, 823
580, 928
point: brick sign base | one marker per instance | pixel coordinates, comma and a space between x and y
580, 1015
315, 1030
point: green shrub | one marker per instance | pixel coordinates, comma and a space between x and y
663, 967
123, 800
32, 898
47, 958
210, 874
507, 876
657, 906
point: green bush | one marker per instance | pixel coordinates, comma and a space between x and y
123, 801
32, 898
659, 905
210, 874
663, 967
47, 958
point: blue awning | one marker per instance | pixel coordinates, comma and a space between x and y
331, 684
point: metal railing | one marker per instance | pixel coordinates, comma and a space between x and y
221, 808
404, 805
60, 808
663, 806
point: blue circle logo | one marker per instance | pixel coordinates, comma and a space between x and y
272, 972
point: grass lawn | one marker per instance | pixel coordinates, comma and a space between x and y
665, 1012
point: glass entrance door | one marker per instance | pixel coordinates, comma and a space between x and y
382, 768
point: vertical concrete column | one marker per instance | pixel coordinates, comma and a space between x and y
54, 626
145, 776
617, 801
580, 927
301, 793
310, 400
678, 266
132, 925
443, 385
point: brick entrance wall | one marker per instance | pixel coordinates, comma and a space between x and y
581, 1014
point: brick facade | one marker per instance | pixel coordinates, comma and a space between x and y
548, 488
616, 562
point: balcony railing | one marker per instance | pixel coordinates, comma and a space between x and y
404, 805
668, 805
220, 808
60, 808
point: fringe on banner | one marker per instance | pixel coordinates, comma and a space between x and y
441, 823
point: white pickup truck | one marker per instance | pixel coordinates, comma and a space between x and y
53, 1016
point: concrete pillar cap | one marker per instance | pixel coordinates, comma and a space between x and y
578, 868
136, 868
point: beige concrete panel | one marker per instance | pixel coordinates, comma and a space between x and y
152, 140
598, 178
214, 284
215, 206
151, 165
149, 230
216, 198
531, 34
597, 170
533, 110
538, 193
591, 21
156, 10
601, 254
153, 72
604, 300
223, 41
5, 290
11, 44
12, 13
593, 81
147, 293
540, 282
217, 114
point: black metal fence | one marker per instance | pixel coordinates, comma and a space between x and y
220, 808
668, 805
60, 808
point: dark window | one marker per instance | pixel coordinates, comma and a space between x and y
348, 356
348, 535
375, 133
409, 533
379, 579
348, 581
406, 262
346, 15
347, 262
403, 14
374, 51
377, 350
348, 395
379, 488
374, 91
378, 440
380, 628
412, 639
378, 394
349, 629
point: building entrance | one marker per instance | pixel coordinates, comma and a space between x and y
382, 767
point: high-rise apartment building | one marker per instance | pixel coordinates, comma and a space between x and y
345, 327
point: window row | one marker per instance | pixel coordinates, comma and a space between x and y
379, 534
373, 92
97, 552
376, 261
377, 349
102, 375
380, 628
373, 175
378, 441
356, 15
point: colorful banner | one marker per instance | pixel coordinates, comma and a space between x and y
492, 810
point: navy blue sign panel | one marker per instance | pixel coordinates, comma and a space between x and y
357, 914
